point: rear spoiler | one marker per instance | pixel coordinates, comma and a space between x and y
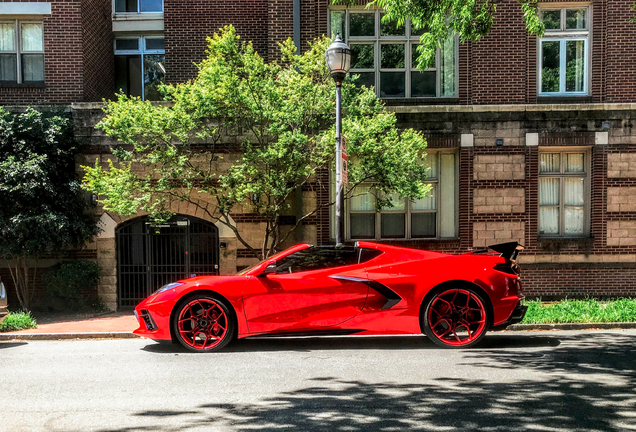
508, 250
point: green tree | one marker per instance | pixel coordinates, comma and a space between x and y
43, 209
281, 117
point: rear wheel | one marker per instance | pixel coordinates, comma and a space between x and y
203, 323
456, 318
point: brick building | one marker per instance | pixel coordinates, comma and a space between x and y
531, 139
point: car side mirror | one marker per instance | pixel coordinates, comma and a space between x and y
270, 269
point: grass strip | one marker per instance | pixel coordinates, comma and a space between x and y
580, 311
18, 321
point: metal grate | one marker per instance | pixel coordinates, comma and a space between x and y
152, 256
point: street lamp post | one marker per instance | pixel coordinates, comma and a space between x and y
338, 58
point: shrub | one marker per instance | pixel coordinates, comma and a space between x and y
18, 321
64, 284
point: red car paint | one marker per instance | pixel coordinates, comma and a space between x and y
387, 294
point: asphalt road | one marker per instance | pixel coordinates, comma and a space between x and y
534, 381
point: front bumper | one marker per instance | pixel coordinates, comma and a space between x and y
516, 316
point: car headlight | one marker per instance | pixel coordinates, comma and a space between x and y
167, 287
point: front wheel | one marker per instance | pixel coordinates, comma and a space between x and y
203, 323
456, 318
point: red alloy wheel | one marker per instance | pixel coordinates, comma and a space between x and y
456, 318
203, 324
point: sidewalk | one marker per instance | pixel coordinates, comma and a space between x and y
109, 325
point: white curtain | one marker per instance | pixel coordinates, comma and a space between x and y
549, 162
574, 201
574, 163
7, 37
548, 198
32, 40
426, 203
363, 199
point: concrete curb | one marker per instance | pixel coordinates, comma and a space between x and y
573, 326
66, 336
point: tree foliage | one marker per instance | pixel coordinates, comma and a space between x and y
43, 208
281, 120
470, 19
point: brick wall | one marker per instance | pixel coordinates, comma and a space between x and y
620, 56
506, 200
187, 23
63, 65
98, 55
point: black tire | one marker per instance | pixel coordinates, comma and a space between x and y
203, 323
456, 317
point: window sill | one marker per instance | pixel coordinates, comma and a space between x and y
563, 99
22, 85
420, 101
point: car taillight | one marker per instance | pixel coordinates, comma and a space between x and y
509, 267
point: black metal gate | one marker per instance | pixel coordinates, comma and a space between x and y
151, 256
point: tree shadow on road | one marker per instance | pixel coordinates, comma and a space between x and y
585, 384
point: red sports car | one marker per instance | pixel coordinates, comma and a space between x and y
369, 288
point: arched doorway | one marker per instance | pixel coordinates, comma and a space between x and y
151, 256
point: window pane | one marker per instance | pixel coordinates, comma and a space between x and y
447, 67
392, 84
392, 225
127, 44
574, 220
426, 203
362, 56
155, 44
391, 56
366, 79
8, 68
423, 225
128, 74
550, 80
549, 162
548, 220
390, 28
362, 199
575, 65
32, 39
151, 5
33, 67
574, 162
575, 19
423, 84
317, 258
552, 19
361, 24
125, 5
362, 225
154, 73
574, 192
447, 196
431, 158
337, 23
7, 37
548, 191
398, 203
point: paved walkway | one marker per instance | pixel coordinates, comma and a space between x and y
116, 324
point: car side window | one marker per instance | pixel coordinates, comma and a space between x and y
317, 258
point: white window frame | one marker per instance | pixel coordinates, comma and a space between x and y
409, 40
562, 175
563, 36
141, 50
408, 207
18, 50
138, 9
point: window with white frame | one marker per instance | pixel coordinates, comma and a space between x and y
433, 216
21, 52
138, 6
384, 56
139, 66
563, 196
564, 52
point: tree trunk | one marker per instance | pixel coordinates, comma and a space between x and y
24, 288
